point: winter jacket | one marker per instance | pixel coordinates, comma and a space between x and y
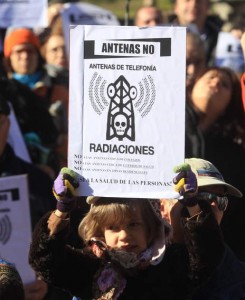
176, 277
227, 282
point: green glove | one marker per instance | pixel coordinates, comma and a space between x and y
64, 189
186, 184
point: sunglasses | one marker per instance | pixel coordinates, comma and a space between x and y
220, 200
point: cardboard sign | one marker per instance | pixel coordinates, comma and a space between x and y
15, 138
15, 224
87, 14
127, 109
229, 52
84, 14
19, 13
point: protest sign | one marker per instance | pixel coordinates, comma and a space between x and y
126, 109
19, 13
15, 138
15, 224
85, 14
229, 52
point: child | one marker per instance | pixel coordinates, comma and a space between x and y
127, 254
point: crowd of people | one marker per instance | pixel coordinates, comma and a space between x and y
189, 248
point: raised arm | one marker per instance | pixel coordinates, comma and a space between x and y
52, 259
202, 234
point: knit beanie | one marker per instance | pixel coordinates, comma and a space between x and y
19, 36
11, 286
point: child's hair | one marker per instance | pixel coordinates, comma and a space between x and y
116, 210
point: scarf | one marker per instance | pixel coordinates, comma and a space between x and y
28, 79
109, 281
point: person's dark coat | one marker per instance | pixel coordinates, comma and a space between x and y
174, 278
227, 282
194, 141
30, 110
229, 158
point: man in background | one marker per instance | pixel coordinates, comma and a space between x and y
195, 15
147, 16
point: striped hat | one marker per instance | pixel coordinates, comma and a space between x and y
11, 286
208, 175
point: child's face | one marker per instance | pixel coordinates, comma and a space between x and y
130, 235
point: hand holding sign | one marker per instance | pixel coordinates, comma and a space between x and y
186, 184
64, 189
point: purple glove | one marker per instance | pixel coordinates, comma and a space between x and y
186, 185
64, 189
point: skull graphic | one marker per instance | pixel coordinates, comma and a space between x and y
120, 124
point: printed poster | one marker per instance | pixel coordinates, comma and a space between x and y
229, 52
15, 224
85, 14
15, 137
127, 109
23, 13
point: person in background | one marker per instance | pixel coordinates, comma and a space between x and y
54, 52
195, 59
228, 280
35, 122
216, 101
23, 61
219, 83
25, 64
41, 199
195, 66
236, 21
195, 15
10, 165
147, 16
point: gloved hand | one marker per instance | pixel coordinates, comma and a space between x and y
186, 185
64, 189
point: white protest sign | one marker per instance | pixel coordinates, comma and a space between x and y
127, 109
15, 138
85, 14
15, 224
229, 52
19, 13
